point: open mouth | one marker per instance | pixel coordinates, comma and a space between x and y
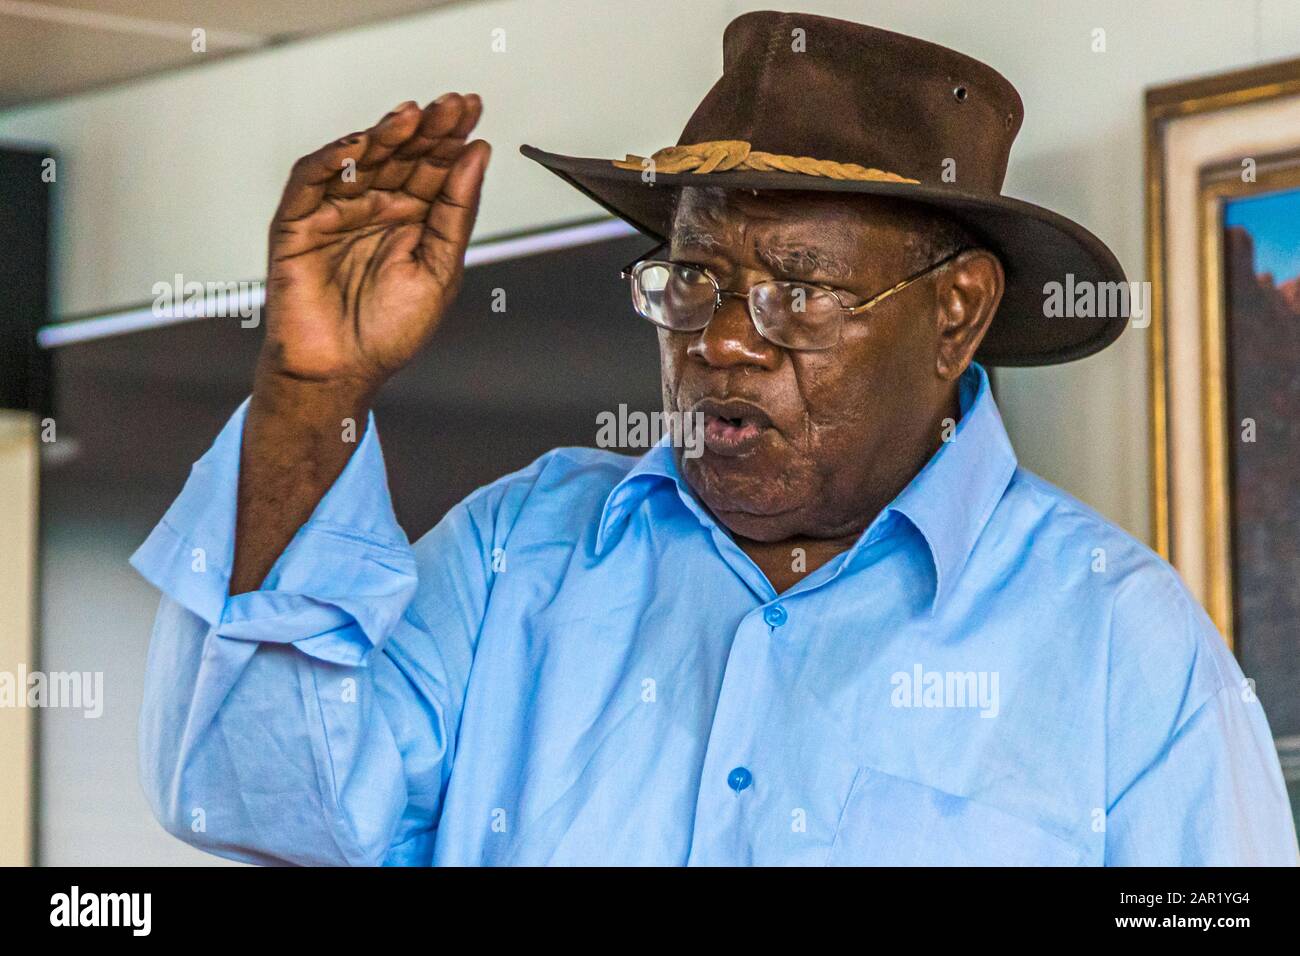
733, 427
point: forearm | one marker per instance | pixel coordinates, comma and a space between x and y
298, 437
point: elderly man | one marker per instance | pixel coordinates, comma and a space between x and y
852, 631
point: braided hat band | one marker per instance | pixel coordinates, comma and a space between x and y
721, 155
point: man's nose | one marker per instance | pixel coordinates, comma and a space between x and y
731, 339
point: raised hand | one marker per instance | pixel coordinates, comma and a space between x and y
367, 253
368, 244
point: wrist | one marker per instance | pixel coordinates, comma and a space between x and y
303, 430
282, 393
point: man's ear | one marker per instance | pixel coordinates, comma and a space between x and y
969, 292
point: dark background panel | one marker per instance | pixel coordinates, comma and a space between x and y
24, 279
492, 392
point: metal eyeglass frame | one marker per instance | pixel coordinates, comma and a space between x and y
629, 272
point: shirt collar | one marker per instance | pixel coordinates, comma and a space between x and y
952, 498
656, 465
949, 501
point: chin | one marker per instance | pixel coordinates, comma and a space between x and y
751, 497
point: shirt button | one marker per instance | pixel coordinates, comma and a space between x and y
739, 779
775, 615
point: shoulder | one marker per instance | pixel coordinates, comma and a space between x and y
1164, 657
561, 493
1050, 518
562, 481
1090, 562
1151, 611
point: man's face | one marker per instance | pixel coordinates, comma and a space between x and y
796, 442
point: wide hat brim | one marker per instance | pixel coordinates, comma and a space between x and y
1037, 247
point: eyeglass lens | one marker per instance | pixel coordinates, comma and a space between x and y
683, 298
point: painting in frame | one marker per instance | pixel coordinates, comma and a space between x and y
1223, 255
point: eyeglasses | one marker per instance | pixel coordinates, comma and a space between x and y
682, 297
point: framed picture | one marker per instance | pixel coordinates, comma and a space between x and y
1223, 256
1250, 268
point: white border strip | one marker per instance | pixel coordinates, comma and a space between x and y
486, 253
564, 237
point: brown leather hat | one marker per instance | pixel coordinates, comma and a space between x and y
813, 103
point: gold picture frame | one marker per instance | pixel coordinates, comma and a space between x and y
1220, 184
1165, 107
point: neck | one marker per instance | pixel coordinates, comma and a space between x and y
786, 563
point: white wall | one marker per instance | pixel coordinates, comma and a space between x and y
182, 172
95, 614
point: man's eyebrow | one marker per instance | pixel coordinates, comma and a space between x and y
797, 258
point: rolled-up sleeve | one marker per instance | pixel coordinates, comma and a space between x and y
310, 721
336, 591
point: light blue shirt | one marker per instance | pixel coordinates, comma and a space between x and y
579, 665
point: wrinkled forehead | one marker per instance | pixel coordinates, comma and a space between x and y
709, 207
827, 227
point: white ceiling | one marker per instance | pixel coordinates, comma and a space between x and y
56, 47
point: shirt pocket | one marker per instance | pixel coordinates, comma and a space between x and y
890, 821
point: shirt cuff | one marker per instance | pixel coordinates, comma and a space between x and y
336, 591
